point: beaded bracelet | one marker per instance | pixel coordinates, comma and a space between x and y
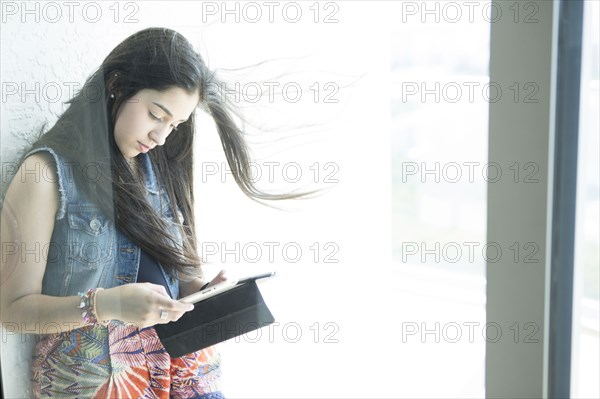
87, 304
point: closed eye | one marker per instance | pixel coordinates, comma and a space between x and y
154, 117
157, 118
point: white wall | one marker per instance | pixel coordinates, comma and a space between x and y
41, 63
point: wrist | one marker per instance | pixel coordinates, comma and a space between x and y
104, 305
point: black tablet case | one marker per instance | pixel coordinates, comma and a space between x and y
216, 319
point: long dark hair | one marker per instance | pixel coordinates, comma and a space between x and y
159, 59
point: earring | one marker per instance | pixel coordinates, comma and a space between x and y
112, 95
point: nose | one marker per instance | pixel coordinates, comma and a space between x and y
159, 135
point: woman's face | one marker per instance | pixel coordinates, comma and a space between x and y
147, 118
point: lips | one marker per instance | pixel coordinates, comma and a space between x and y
143, 148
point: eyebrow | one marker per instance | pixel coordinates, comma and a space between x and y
167, 111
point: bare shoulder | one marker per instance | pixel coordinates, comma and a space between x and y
34, 189
28, 219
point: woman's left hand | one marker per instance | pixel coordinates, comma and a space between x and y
190, 287
219, 278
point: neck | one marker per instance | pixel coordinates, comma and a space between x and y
133, 164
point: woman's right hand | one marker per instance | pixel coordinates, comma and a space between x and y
139, 303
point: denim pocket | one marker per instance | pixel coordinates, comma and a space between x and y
91, 236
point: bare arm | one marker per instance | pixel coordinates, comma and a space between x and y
28, 214
26, 227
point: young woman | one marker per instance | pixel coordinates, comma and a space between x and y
110, 215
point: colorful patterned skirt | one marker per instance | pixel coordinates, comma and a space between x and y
120, 361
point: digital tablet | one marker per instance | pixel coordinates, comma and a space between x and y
257, 277
209, 292
224, 286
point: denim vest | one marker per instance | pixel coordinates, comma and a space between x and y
87, 250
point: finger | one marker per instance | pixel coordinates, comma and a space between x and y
176, 315
175, 306
171, 316
219, 278
179, 316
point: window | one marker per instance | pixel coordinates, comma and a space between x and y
586, 314
390, 290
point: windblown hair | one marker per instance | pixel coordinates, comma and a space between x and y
159, 59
